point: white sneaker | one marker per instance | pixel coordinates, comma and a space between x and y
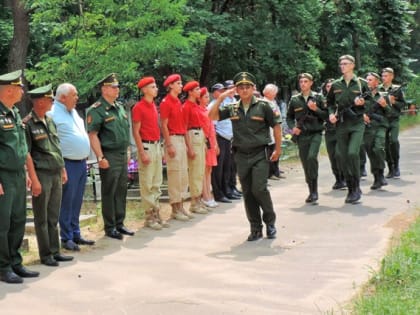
212, 204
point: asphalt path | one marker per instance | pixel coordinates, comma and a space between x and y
322, 256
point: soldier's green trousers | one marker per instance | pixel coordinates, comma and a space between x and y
349, 139
46, 209
12, 217
331, 143
252, 168
114, 190
309, 145
392, 144
374, 140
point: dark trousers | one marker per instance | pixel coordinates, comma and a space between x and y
349, 139
251, 167
114, 190
273, 168
374, 140
46, 209
12, 217
331, 144
72, 199
309, 145
392, 144
220, 175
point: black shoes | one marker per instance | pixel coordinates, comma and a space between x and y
114, 234
82, 241
49, 261
396, 172
236, 191
10, 277
271, 231
223, 199
125, 231
255, 235
70, 245
21, 271
233, 196
60, 257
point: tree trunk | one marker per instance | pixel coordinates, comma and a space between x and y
206, 62
20, 41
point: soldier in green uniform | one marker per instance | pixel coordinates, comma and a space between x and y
305, 116
46, 170
375, 117
108, 129
13, 155
346, 108
251, 119
394, 97
331, 143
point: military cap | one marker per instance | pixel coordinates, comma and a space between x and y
347, 57
109, 80
43, 91
217, 86
374, 74
306, 76
145, 81
228, 84
389, 70
244, 78
203, 91
171, 79
190, 86
12, 78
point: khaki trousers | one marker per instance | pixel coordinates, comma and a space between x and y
197, 165
177, 170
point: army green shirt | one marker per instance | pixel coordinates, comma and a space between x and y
378, 115
111, 123
250, 129
13, 148
43, 143
341, 97
399, 99
299, 115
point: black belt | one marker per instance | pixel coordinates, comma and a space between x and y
150, 141
177, 134
194, 128
70, 160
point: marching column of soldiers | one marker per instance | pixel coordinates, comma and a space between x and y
45, 150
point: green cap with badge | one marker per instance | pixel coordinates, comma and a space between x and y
109, 80
43, 91
244, 78
12, 78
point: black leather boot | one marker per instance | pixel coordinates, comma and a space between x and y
376, 183
350, 190
309, 198
382, 178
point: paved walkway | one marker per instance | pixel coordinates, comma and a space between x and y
321, 257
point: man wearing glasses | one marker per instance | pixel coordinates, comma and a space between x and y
108, 129
251, 120
346, 108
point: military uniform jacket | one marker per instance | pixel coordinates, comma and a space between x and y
250, 130
299, 115
399, 100
13, 148
111, 123
43, 143
341, 96
378, 115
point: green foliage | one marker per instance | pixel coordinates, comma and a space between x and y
131, 38
413, 92
397, 285
6, 34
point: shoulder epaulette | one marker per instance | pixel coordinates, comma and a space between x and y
96, 105
27, 118
362, 79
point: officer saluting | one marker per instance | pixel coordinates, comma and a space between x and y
13, 155
251, 119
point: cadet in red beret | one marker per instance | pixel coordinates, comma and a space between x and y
146, 134
173, 131
196, 144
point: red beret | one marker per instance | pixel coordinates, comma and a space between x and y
171, 79
203, 91
190, 86
145, 81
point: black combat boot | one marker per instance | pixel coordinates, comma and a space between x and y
350, 190
382, 178
377, 182
390, 171
339, 182
357, 192
309, 198
396, 173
